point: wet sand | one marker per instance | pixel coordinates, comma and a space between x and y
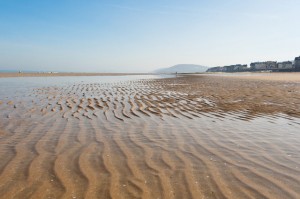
184, 137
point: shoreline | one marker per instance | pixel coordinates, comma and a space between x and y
278, 76
284, 77
5, 75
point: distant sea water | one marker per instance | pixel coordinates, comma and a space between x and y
16, 71
8, 71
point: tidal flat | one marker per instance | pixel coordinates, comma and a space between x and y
190, 136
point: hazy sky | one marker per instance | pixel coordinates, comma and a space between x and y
141, 36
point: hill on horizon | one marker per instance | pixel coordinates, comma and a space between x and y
183, 68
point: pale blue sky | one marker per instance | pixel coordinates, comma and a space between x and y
141, 36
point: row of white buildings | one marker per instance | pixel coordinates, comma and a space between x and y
231, 68
271, 65
260, 66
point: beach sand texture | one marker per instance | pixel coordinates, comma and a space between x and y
185, 137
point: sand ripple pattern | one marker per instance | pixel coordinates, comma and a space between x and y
121, 101
143, 139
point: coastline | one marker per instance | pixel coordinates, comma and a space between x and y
4, 75
273, 76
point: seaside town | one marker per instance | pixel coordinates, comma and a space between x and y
286, 66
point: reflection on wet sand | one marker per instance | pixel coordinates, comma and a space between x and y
185, 137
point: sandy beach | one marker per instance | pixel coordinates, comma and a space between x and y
266, 76
193, 136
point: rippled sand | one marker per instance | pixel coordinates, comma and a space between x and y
185, 137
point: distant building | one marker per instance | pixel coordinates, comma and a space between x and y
231, 68
285, 65
267, 65
215, 69
258, 66
240, 67
235, 68
271, 64
297, 63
